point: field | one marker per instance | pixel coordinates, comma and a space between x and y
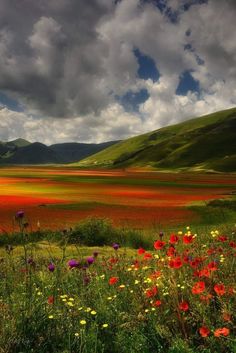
151, 270
56, 198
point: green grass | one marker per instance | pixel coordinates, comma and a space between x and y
200, 142
79, 311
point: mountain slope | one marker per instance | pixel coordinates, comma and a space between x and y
23, 152
71, 152
208, 142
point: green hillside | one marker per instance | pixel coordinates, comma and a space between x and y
208, 142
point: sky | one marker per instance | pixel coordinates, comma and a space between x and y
102, 70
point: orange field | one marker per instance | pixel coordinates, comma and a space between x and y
59, 197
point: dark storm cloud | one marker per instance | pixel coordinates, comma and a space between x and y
73, 58
51, 54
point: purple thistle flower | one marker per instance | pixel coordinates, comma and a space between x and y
73, 263
90, 260
20, 214
115, 246
51, 267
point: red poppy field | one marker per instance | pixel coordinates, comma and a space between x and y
59, 197
150, 280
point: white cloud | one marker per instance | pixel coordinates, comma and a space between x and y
66, 64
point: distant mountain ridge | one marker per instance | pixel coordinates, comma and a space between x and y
205, 143
21, 151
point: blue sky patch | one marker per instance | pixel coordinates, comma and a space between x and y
131, 100
187, 83
147, 67
10, 103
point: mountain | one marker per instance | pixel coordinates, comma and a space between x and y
207, 143
20, 151
70, 152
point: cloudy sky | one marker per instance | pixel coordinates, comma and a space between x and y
100, 70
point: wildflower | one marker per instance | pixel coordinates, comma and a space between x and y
187, 239
90, 260
95, 254
113, 280
104, 325
198, 287
51, 267
159, 244
175, 263
76, 334
171, 251
93, 312
50, 316
73, 263
157, 303
173, 239
147, 256
151, 292
141, 251
115, 246
20, 214
51, 299
219, 289
184, 306
82, 322
224, 331
204, 331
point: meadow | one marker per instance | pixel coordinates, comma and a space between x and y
56, 198
161, 279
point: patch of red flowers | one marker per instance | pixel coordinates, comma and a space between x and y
184, 306
173, 239
198, 287
187, 239
204, 331
159, 244
151, 292
157, 303
219, 289
223, 331
113, 280
51, 299
175, 263
141, 251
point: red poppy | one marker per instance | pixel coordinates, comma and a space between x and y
173, 239
206, 297
232, 244
51, 299
157, 303
187, 239
226, 316
141, 251
171, 251
184, 306
147, 256
223, 331
204, 331
205, 272
113, 280
219, 289
113, 260
212, 266
159, 244
222, 238
175, 263
155, 275
198, 287
151, 292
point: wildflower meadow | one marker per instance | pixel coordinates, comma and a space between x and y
175, 293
